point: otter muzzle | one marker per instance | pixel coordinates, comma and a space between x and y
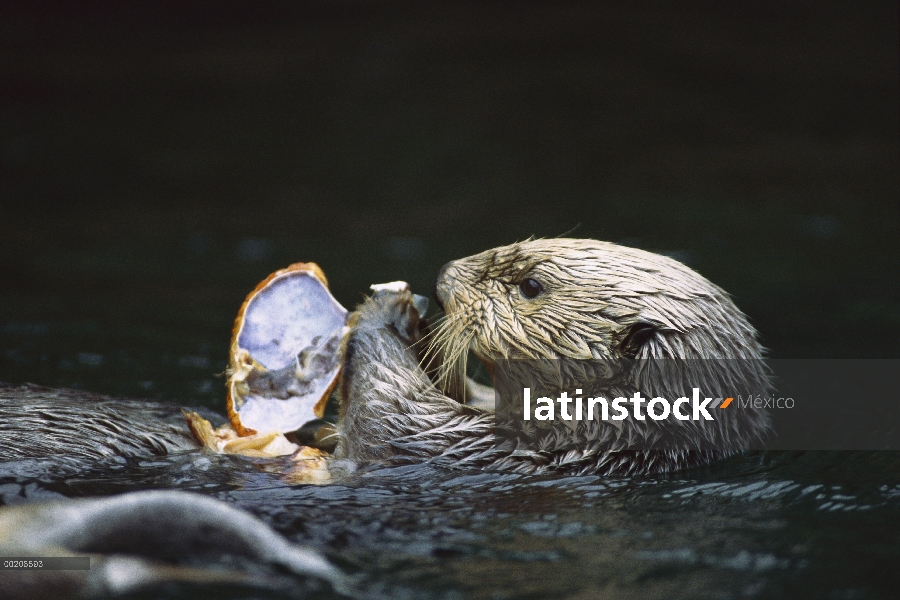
442, 285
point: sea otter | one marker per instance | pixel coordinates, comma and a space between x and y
538, 299
569, 299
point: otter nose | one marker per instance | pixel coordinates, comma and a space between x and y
440, 291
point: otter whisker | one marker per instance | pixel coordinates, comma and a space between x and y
442, 346
452, 371
438, 348
437, 338
436, 326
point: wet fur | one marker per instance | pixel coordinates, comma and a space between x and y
40, 422
600, 301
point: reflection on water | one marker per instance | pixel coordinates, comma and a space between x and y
756, 525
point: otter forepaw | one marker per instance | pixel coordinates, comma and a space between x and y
401, 310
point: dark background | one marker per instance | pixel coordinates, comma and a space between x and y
157, 160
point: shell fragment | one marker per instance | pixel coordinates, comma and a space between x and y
285, 352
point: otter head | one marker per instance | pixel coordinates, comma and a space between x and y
582, 299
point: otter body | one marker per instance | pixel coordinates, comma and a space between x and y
549, 299
38, 422
542, 299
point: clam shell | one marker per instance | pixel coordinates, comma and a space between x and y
285, 352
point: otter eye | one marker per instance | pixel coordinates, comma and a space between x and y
530, 288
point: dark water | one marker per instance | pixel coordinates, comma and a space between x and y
776, 525
157, 161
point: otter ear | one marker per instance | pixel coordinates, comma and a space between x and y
635, 337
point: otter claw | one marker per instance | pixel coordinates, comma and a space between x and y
400, 309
